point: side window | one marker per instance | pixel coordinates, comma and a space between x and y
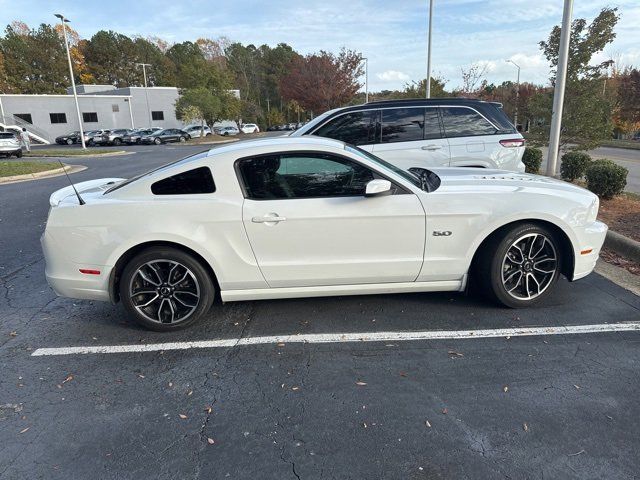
198, 180
402, 124
464, 122
356, 128
302, 176
431, 124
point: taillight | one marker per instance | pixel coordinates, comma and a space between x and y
89, 271
512, 142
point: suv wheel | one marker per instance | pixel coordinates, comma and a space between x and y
18, 154
165, 289
520, 268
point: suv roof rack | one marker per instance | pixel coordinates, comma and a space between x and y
425, 101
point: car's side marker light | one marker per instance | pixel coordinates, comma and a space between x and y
88, 271
587, 251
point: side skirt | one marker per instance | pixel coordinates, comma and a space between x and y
335, 290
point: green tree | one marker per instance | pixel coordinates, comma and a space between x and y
586, 120
34, 60
111, 59
210, 106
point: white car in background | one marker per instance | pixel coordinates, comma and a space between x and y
250, 128
293, 217
195, 131
440, 132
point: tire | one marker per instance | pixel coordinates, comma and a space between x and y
182, 139
225, 134
164, 302
91, 143
69, 141
157, 141
208, 134
117, 142
520, 266
19, 154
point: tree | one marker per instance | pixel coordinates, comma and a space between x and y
587, 112
323, 81
419, 90
111, 59
207, 105
76, 50
34, 60
627, 112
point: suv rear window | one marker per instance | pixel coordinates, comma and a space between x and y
465, 122
356, 128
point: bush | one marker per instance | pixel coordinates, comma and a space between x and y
606, 179
532, 159
573, 165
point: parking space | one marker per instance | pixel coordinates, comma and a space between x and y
548, 392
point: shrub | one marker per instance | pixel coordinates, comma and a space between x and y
606, 179
573, 165
532, 159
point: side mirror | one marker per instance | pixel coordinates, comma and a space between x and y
378, 188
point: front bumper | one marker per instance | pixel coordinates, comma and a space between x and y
10, 148
590, 238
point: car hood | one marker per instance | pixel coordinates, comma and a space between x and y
88, 190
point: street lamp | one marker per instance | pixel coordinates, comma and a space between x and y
428, 89
515, 117
146, 93
366, 79
73, 81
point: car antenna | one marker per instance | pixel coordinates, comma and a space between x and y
64, 169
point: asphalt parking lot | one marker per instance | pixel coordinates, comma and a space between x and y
555, 403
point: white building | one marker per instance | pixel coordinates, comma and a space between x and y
101, 107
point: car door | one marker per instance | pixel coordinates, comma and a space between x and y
412, 137
470, 136
309, 223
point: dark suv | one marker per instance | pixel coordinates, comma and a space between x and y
456, 132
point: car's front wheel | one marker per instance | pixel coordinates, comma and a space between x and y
18, 153
69, 141
157, 141
183, 139
520, 267
117, 141
166, 289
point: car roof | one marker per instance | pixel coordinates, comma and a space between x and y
306, 141
418, 102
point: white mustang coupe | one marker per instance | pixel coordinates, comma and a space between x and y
305, 216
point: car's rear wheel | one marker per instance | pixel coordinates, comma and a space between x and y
183, 139
18, 153
69, 141
117, 141
520, 267
157, 141
166, 289
91, 143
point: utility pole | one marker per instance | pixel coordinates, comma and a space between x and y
515, 117
73, 81
366, 79
429, 50
146, 93
558, 91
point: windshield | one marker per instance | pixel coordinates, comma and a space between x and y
414, 180
7, 135
180, 161
157, 132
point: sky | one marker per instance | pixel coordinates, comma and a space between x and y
391, 34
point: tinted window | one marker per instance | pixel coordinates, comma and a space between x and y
302, 176
24, 116
357, 128
198, 180
497, 116
7, 136
58, 117
157, 115
464, 122
402, 124
90, 117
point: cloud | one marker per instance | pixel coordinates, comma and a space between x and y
393, 76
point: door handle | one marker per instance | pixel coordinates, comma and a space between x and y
268, 219
431, 147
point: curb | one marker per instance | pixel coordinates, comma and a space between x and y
213, 142
108, 154
619, 276
38, 175
623, 246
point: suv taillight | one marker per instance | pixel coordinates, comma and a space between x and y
512, 142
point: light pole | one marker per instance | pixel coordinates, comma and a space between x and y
73, 81
558, 91
146, 93
515, 117
428, 89
366, 79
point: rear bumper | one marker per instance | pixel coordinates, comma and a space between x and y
591, 239
65, 278
9, 149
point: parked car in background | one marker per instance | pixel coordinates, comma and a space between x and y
273, 128
94, 137
226, 131
454, 132
115, 137
292, 217
250, 128
10, 144
68, 139
134, 136
165, 136
196, 131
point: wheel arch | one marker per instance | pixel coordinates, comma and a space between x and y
567, 263
116, 271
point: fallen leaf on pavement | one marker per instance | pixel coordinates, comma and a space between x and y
403, 374
505, 389
295, 388
445, 411
427, 423
281, 344
189, 393
457, 354
182, 416
362, 384
24, 430
68, 379
13, 334
210, 441
140, 375
574, 454
577, 387
525, 427
208, 409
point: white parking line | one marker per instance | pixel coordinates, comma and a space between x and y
345, 337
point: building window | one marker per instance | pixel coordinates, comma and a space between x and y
157, 115
115, 107
24, 116
58, 117
90, 117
